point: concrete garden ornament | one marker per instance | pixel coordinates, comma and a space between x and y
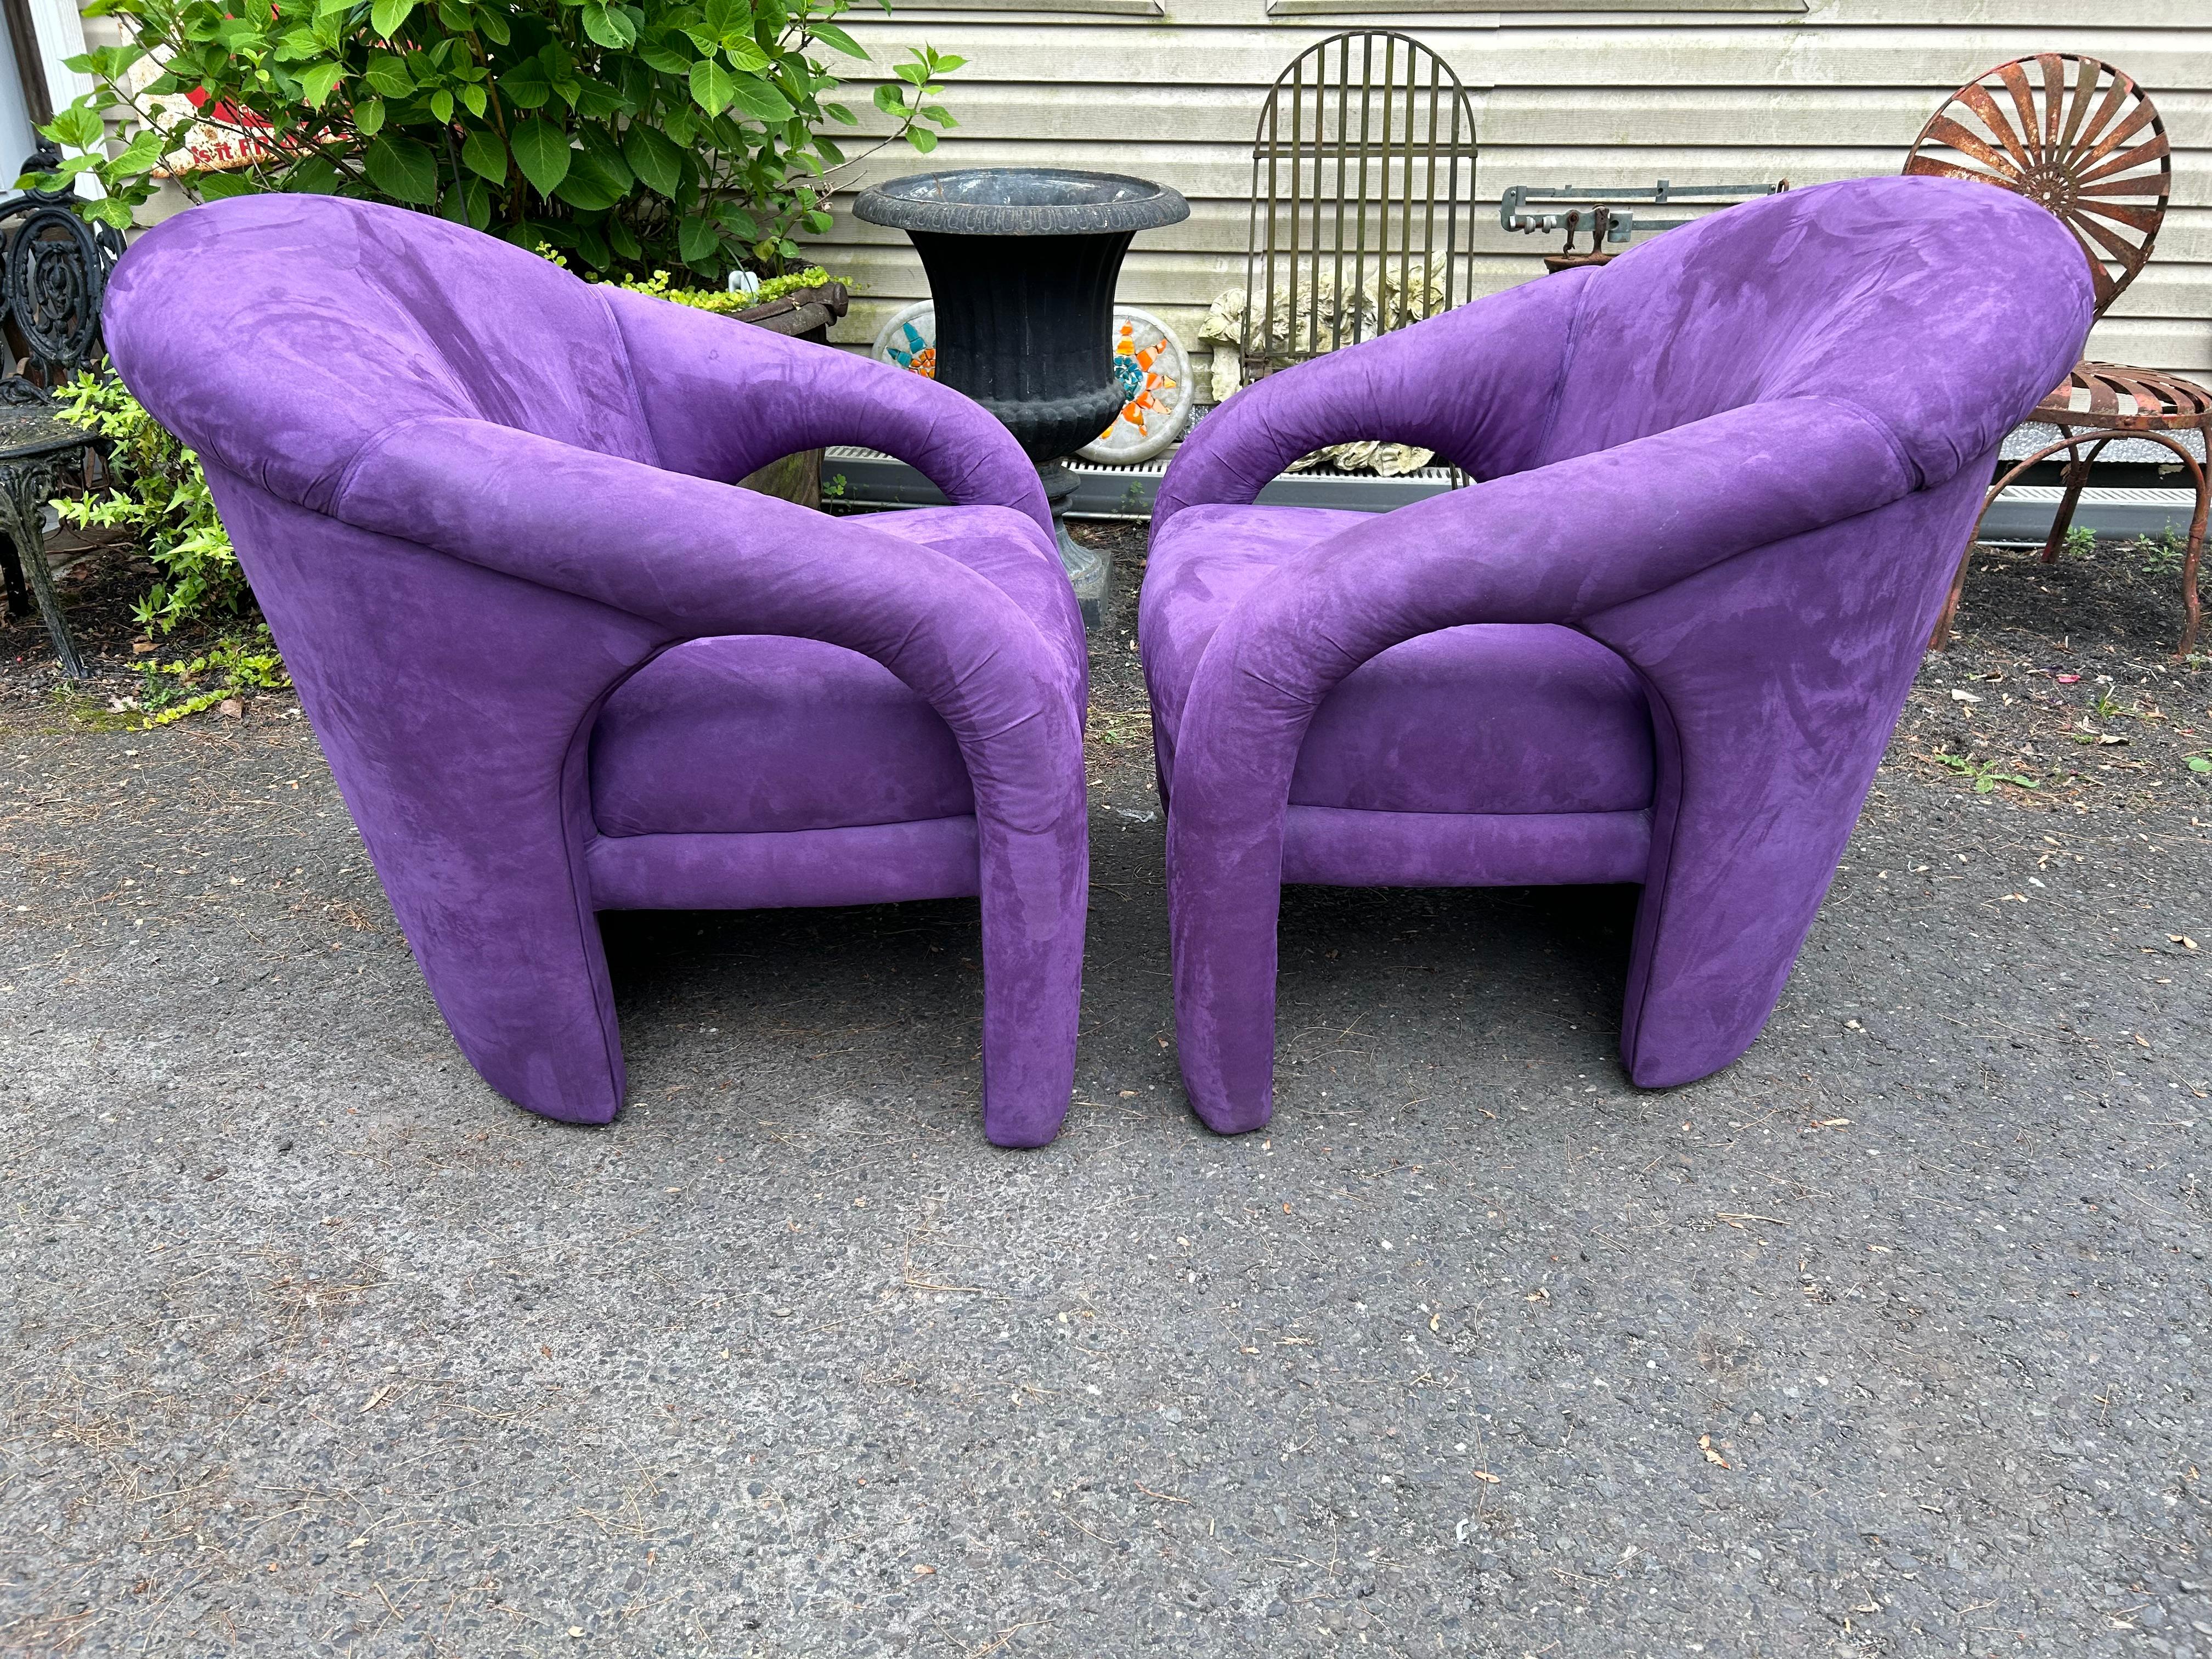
1723, 483
560, 664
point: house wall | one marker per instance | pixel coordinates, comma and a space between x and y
1171, 90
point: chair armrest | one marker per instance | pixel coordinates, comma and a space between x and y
700, 558
1555, 545
1477, 384
722, 398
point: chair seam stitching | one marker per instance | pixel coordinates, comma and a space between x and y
630, 379
1558, 394
375, 441
1914, 475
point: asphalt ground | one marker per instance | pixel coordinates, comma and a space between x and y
1891, 1339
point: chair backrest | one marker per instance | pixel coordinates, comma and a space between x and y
2072, 134
1363, 198
283, 333
1933, 305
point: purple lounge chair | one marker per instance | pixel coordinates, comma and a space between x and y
560, 664
1724, 482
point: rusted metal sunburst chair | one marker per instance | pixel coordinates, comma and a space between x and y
2080, 138
1363, 198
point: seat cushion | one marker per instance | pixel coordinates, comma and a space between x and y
761, 731
767, 733
1491, 718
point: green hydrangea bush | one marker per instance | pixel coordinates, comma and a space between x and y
634, 137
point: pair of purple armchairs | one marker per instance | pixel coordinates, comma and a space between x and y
560, 664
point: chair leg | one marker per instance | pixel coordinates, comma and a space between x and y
1940, 640
23, 520
2074, 476
2191, 611
1033, 989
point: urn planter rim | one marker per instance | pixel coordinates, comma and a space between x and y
1021, 202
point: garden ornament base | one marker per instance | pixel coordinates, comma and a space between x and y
561, 664
1723, 482
1022, 264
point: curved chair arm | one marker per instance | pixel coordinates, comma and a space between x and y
722, 399
1572, 543
624, 559
1477, 384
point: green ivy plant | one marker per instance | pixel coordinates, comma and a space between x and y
161, 497
635, 135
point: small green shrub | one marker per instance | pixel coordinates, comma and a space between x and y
2160, 555
161, 497
2081, 542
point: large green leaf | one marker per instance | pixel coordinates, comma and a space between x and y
368, 117
525, 85
402, 169
836, 37
318, 175
712, 88
664, 56
541, 150
756, 98
597, 100
593, 248
485, 153
610, 28
697, 240
215, 186
321, 82
603, 154
590, 185
386, 16
388, 75
654, 158
80, 128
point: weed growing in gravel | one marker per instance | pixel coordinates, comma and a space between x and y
1986, 774
234, 667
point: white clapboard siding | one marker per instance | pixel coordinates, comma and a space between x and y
1837, 90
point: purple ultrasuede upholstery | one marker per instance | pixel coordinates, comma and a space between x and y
486, 509
1739, 460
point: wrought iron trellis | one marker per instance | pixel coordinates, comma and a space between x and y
1363, 189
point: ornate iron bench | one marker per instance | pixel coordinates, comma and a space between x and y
53, 271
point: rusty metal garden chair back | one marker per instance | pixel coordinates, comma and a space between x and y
1363, 198
2082, 139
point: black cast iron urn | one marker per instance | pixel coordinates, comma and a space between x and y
1021, 264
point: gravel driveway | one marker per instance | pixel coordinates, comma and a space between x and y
1891, 1339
